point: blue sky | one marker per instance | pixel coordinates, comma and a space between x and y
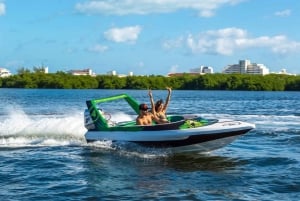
148, 36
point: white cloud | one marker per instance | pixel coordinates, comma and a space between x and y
222, 41
229, 40
283, 13
126, 34
98, 48
205, 8
2, 9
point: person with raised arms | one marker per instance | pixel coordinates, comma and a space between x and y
159, 108
145, 117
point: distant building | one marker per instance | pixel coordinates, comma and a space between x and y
46, 70
4, 72
246, 67
113, 72
284, 72
195, 71
207, 70
203, 70
87, 71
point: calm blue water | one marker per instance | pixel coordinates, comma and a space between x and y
43, 154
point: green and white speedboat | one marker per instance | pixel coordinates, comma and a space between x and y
184, 133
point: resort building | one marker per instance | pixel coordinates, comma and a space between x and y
284, 72
246, 67
87, 71
4, 72
203, 70
113, 72
195, 71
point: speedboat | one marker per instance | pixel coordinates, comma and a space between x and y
183, 133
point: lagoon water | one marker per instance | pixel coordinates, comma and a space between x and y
43, 154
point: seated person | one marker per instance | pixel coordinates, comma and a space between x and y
159, 109
145, 117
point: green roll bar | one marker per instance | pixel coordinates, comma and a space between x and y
98, 119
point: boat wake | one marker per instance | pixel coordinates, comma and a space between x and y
20, 129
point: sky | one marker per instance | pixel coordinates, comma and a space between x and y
148, 37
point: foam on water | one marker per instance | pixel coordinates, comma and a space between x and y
264, 122
20, 129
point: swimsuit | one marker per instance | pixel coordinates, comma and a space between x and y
163, 117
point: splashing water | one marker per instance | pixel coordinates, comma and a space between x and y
20, 129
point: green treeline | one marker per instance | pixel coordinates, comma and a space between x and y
60, 80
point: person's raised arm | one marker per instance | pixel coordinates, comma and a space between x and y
151, 101
168, 98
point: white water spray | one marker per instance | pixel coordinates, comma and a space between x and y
20, 129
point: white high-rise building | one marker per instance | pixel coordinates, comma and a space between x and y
207, 70
46, 70
246, 67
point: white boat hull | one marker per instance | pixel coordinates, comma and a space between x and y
200, 139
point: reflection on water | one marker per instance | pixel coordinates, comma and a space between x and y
202, 162
113, 173
163, 159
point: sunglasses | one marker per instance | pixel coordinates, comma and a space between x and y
144, 109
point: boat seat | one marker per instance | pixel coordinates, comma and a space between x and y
175, 118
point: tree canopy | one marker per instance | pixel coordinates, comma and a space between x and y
61, 80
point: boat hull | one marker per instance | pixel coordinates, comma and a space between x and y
199, 139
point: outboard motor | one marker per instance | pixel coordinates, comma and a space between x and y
88, 122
